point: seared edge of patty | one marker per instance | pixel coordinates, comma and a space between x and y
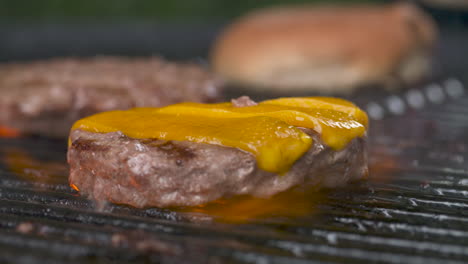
152, 172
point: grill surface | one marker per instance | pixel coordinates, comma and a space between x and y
413, 210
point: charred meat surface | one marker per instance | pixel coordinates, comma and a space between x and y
152, 172
47, 97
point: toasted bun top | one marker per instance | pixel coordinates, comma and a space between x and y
374, 38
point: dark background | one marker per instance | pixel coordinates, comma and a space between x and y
177, 29
169, 10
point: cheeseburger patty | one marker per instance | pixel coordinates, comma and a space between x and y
153, 172
46, 97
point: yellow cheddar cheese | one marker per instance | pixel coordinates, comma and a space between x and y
268, 130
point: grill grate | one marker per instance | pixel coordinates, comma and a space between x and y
413, 211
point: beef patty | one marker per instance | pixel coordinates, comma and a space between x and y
47, 97
152, 172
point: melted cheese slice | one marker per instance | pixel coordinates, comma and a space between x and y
268, 130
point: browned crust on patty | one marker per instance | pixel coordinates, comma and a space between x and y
152, 172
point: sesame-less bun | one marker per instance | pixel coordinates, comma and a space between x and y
326, 49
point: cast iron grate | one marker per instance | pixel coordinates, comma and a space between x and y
416, 212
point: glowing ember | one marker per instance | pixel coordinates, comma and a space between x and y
74, 187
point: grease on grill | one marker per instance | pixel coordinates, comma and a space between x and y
240, 209
145, 242
25, 227
8, 132
28, 167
